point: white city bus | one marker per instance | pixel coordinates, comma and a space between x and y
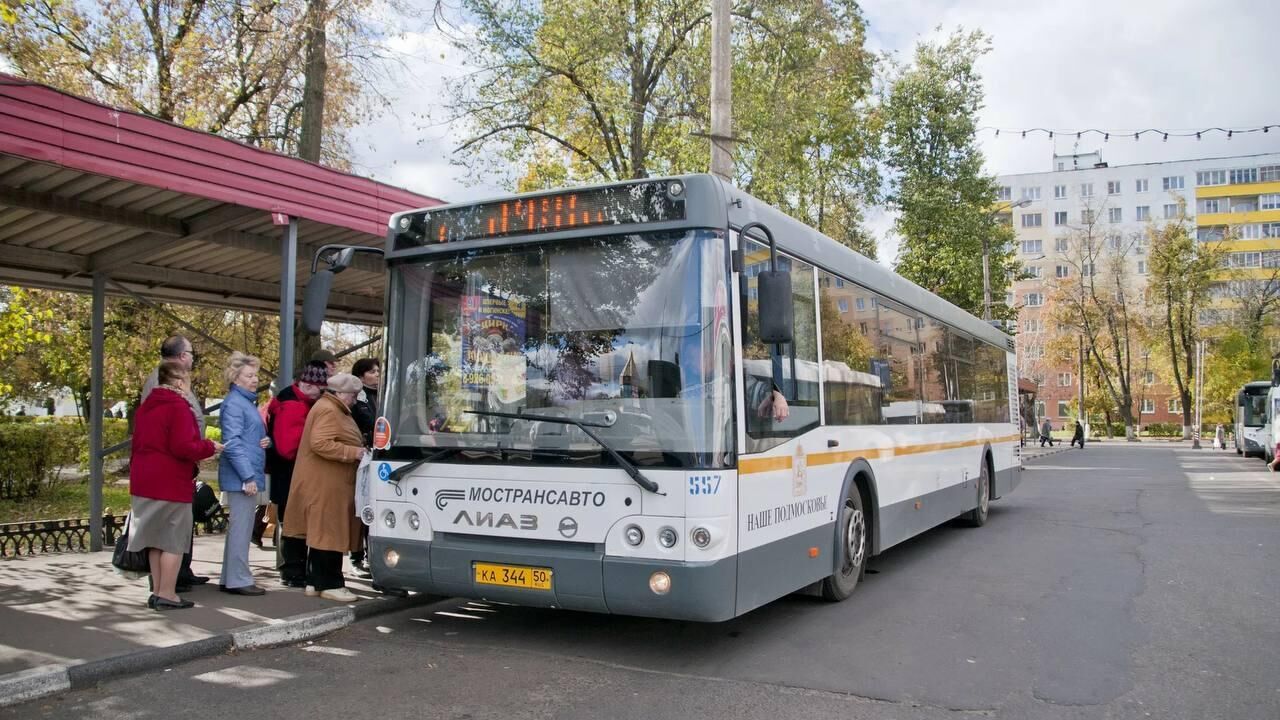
1251, 417
606, 399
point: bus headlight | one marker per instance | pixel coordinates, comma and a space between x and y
391, 557
701, 537
389, 519
675, 188
404, 222
667, 537
660, 583
634, 535
415, 522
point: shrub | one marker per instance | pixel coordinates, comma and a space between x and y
1163, 430
32, 455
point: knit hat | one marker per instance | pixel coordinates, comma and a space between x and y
315, 373
345, 382
323, 356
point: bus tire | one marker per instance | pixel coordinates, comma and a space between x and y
977, 517
852, 548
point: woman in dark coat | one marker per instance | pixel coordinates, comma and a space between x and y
1078, 435
365, 413
163, 463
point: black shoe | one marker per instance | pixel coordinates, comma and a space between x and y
151, 601
193, 579
252, 590
163, 604
293, 583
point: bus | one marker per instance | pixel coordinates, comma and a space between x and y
663, 398
1269, 436
1251, 416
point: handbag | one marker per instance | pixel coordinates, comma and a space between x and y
131, 564
204, 504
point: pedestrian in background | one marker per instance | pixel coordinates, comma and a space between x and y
365, 412
323, 508
1078, 435
1046, 433
326, 358
286, 419
163, 462
1219, 438
179, 349
241, 470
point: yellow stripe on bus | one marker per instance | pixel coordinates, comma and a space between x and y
750, 466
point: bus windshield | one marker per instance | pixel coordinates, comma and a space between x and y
629, 332
1254, 410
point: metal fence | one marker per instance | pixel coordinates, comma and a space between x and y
72, 535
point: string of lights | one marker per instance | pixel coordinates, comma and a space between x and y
1164, 135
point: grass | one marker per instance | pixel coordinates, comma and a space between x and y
66, 499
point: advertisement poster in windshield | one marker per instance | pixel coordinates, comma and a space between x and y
492, 341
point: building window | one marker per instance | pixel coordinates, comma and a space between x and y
1175, 405
1271, 258
1270, 230
1064, 379
863, 327
861, 304
1113, 187
1142, 267
1035, 299
1031, 193
1086, 189
1114, 215
1173, 182
1170, 211
1140, 185
1064, 408
1270, 201
1248, 232
1115, 241
1059, 191
1086, 216
1149, 378
1086, 269
1148, 406
1060, 217
1061, 244
1031, 220
1062, 271
1245, 259
1032, 247
1032, 325
1032, 271
1211, 205
844, 304
1143, 212
839, 282
1004, 193
1040, 403
1211, 177
1269, 173
1244, 175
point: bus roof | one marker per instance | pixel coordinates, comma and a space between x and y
1256, 385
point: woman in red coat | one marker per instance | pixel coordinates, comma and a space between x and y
162, 468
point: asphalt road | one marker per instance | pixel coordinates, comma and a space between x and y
1121, 581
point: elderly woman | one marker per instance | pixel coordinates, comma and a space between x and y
163, 464
322, 504
241, 470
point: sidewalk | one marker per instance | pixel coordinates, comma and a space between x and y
71, 609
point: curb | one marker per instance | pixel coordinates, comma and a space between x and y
41, 682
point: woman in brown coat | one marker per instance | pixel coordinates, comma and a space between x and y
322, 506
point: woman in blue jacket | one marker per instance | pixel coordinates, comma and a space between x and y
241, 470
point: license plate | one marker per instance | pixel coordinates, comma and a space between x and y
518, 576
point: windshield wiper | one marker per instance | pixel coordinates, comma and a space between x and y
626, 465
403, 470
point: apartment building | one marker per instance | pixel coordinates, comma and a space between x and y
1084, 197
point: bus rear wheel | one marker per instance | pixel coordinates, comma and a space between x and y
851, 545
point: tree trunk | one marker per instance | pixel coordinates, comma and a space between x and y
309, 142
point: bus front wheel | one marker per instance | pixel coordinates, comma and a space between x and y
977, 517
851, 545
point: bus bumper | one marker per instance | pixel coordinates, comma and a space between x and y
582, 577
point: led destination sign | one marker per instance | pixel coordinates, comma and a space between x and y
620, 205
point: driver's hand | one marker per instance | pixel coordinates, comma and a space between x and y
774, 406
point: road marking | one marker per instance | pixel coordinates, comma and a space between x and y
331, 650
246, 676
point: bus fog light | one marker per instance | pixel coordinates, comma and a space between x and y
391, 557
634, 535
389, 519
415, 522
366, 515
660, 583
667, 537
700, 537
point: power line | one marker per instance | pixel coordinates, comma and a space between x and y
1136, 134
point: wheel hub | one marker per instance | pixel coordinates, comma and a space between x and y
855, 540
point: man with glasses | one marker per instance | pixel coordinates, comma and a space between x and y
179, 348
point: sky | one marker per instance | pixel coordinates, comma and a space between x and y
1168, 64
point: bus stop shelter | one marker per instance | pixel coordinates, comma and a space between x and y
99, 200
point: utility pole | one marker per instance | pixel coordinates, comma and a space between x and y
721, 91
1084, 416
1195, 431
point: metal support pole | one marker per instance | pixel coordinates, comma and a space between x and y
721, 90
1195, 431
96, 359
288, 287
1083, 414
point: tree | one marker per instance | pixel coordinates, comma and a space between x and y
574, 91
1099, 302
1182, 271
944, 199
228, 67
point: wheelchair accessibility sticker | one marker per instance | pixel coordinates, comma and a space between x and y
384, 471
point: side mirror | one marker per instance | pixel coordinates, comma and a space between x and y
777, 316
342, 259
316, 300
